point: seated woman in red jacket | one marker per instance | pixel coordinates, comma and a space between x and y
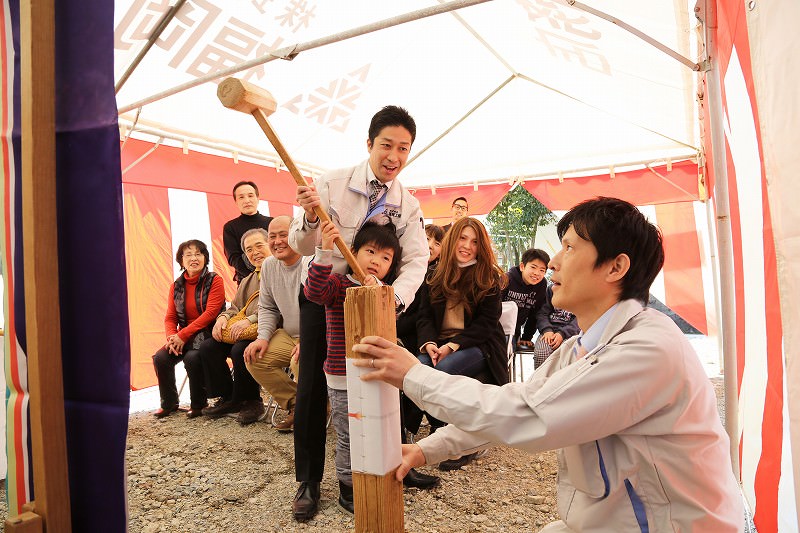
458, 327
195, 299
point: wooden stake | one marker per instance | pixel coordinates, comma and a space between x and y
375, 499
40, 252
374, 410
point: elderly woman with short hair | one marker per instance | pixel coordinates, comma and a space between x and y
195, 299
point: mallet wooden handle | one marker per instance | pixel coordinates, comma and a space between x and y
245, 97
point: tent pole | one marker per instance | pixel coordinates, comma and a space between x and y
713, 246
708, 16
290, 52
159, 29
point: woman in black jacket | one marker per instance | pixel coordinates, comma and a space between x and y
458, 326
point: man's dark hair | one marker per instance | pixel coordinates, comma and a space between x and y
200, 245
392, 115
460, 198
380, 236
250, 183
616, 227
531, 254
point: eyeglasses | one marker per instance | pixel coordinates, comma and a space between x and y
190, 255
459, 207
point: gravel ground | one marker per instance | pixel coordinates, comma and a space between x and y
214, 476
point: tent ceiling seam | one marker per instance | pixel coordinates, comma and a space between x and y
143, 156
152, 38
462, 119
640, 34
481, 40
293, 50
564, 174
131, 128
669, 181
604, 111
223, 146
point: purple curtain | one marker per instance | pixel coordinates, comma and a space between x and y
94, 306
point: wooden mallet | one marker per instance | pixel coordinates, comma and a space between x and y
248, 98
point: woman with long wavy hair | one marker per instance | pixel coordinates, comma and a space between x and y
459, 322
458, 327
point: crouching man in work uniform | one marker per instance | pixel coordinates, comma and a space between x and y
626, 402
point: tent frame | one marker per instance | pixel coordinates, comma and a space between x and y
707, 14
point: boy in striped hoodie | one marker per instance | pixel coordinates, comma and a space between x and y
377, 251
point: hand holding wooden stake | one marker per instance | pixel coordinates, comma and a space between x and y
245, 97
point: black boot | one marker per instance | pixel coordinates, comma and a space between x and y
420, 480
346, 497
456, 464
306, 501
414, 478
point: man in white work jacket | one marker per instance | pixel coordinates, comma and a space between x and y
626, 402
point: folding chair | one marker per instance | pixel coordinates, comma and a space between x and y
272, 406
508, 319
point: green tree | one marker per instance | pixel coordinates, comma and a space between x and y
513, 224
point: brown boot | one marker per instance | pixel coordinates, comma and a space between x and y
252, 411
221, 408
287, 424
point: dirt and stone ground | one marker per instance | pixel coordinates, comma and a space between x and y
214, 476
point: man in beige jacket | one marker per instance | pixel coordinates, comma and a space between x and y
626, 402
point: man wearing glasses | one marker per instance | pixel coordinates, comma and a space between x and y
459, 209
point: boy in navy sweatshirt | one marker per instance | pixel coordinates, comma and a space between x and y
526, 287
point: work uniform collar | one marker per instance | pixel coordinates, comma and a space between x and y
359, 183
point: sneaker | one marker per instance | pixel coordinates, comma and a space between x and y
346, 497
455, 464
251, 411
306, 501
287, 424
222, 408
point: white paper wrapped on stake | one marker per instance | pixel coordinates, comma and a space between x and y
374, 415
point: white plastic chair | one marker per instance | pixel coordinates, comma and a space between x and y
508, 320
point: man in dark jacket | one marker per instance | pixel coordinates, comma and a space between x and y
245, 193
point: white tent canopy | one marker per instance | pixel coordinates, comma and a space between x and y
522, 89
501, 90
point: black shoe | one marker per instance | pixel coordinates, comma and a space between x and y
455, 464
252, 411
306, 501
161, 413
222, 408
420, 480
194, 412
346, 497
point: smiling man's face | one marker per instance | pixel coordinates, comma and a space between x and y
389, 152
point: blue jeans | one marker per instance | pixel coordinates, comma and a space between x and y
467, 362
